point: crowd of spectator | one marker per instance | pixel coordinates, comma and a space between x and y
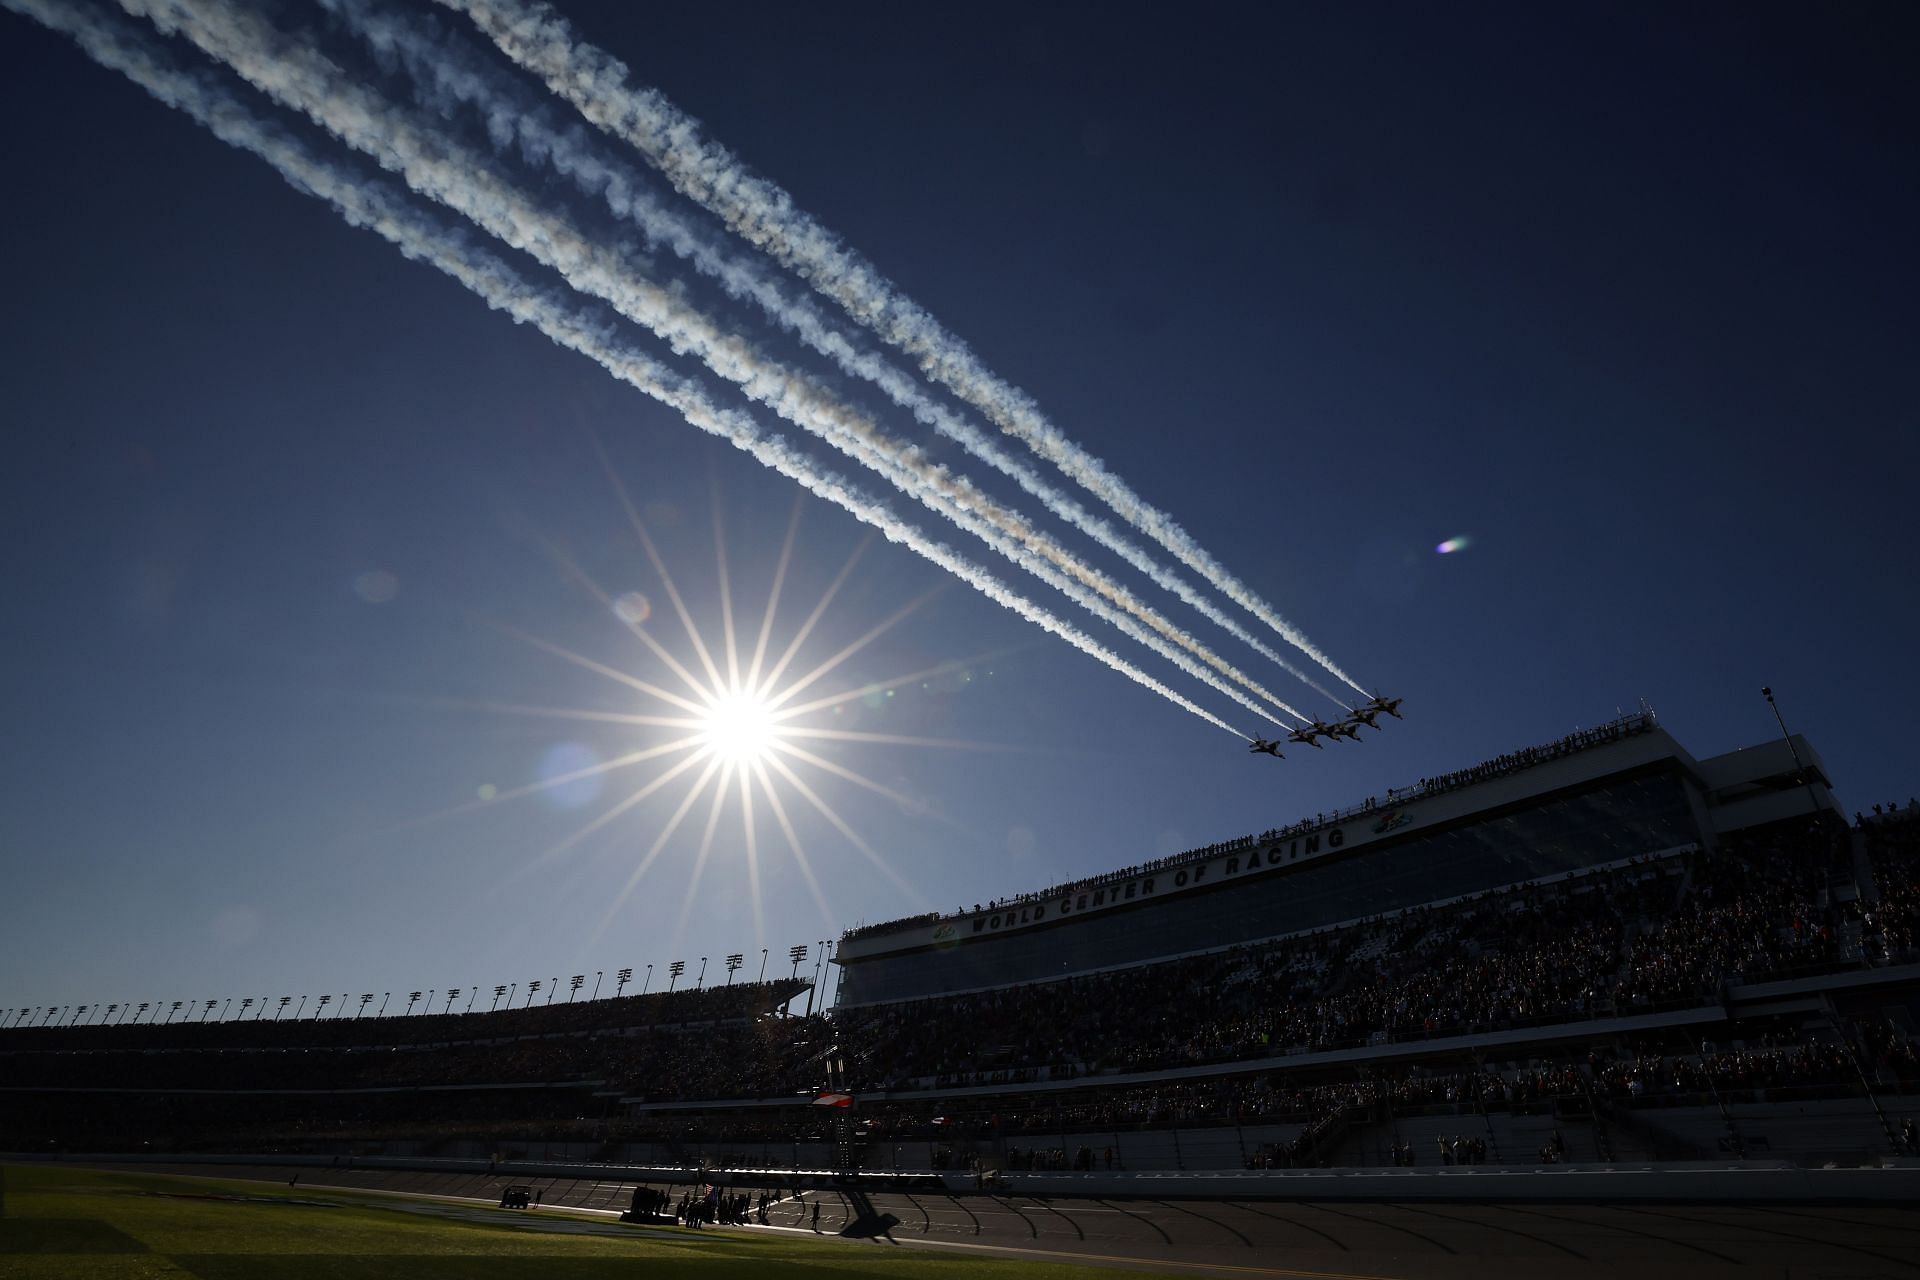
1649, 935
1645, 934
1527, 757
1892, 837
1762, 904
1535, 953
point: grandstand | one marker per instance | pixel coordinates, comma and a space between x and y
1595, 951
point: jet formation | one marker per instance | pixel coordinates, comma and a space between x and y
1365, 715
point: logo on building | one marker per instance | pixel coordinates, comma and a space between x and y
1391, 820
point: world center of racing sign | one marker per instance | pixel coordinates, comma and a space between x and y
1221, 868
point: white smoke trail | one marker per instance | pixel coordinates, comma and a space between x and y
447, 75
435, 166
370, 205
599, 85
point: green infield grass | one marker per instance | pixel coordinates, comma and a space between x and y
60, 1223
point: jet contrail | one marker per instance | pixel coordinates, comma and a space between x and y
372, 205
447, 74
301, 79
541, 42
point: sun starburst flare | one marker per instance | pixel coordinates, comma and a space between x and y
718, 731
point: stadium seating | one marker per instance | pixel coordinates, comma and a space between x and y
1496, 1018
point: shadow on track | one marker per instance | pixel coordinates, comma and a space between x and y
865, 1222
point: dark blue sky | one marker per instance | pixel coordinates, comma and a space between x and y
1624, 295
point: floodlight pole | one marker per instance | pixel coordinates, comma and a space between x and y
597, 975
763, 965
648, 982
1799, 766
819, 960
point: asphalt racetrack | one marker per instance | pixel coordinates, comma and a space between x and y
1254, 1238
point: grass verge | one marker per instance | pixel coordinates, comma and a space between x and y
59, 1223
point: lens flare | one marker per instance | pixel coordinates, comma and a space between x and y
632, 608
1459, 542
570, 774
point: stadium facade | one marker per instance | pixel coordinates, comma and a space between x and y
1595, 799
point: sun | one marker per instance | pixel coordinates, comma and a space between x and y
740, 728
739, 721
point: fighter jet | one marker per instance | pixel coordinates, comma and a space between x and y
1366, 714
1389, 705
1270, 748
1343, 730
1306, 734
